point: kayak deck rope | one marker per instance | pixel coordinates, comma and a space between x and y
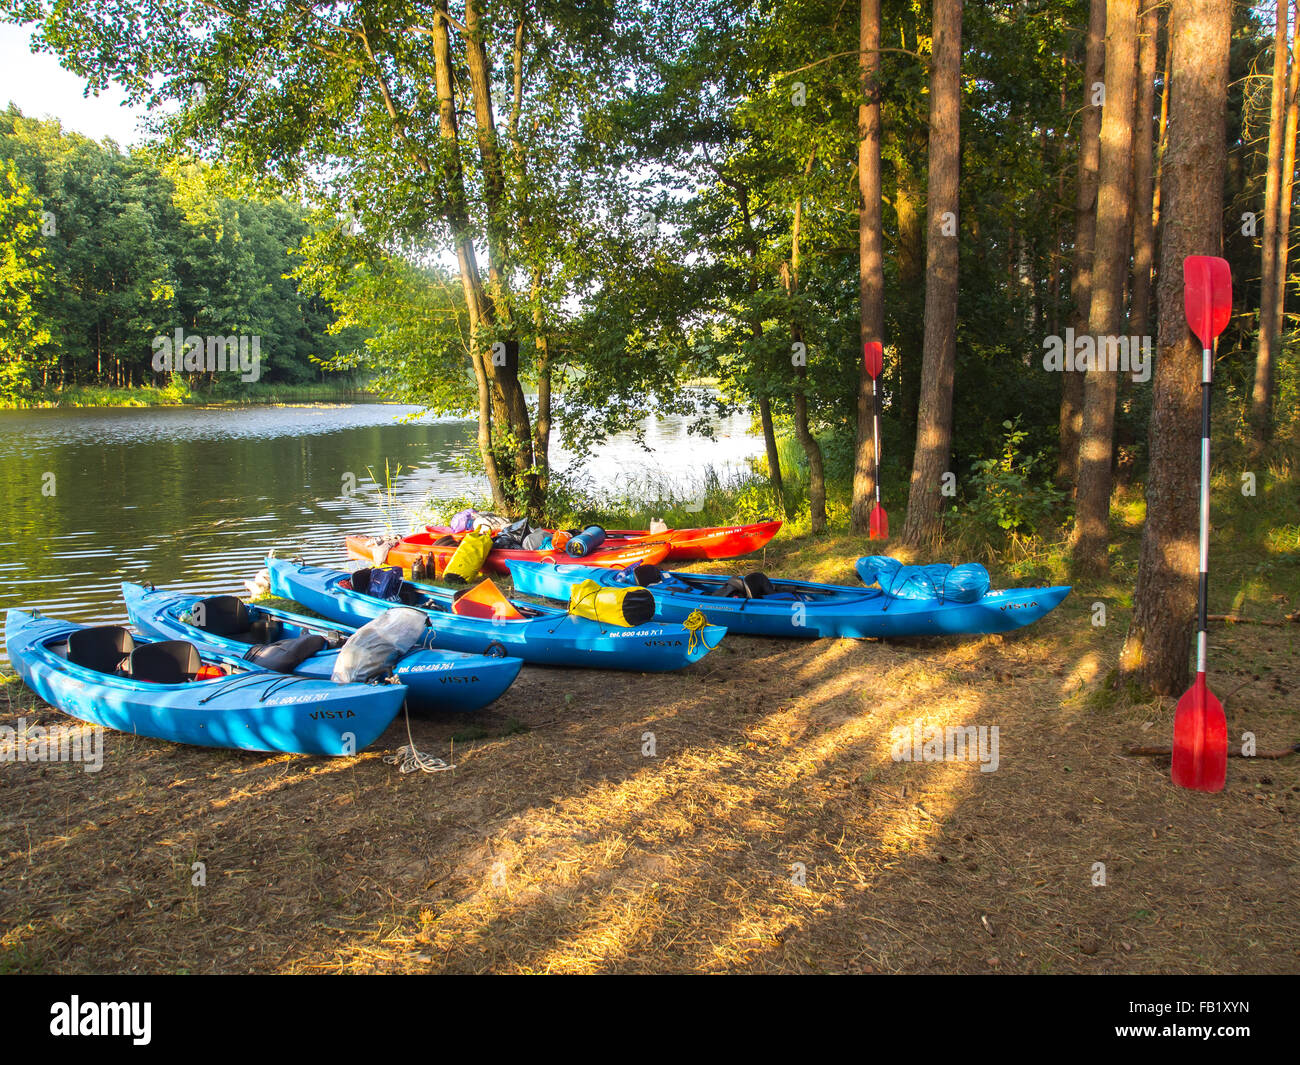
694, 626
408, 758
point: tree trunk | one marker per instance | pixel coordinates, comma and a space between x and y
934, 417
769, 445
750, 244
1286, 193
1109, 274
909, 204
503, 368
1261, 402
1143, 162
1085, 226
1158, 645
812, 450
871, 257
476, 303
542, 423
1162, 130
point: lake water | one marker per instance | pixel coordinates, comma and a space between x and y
192, 498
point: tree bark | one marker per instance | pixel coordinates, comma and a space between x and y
1110, 272
1162, 130
769, 444
750, 244
1085, 227
477, 305
1157, 649
1143, 162
812, 450
1261, 400
509, 402
1286, 193
909, 205
934, 417
871, 257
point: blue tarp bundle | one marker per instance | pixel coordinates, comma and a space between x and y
949, 584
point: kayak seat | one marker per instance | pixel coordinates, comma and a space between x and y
647, 574
104, 648
284, 656
229, 616
223, 615
755, 586
165, 662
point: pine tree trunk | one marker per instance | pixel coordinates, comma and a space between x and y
1143, 162
871, 257
1157, 648
1085, 227
1109, 275
1287, 190
1261, 401
934, 417
812, 450
909, 204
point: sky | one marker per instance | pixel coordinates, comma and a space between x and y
43, 89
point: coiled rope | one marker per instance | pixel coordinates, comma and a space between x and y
408, 758
694, 626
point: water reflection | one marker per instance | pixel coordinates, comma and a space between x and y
193, 497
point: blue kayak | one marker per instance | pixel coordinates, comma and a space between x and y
544, 635
435, 680
78, 668
798, 608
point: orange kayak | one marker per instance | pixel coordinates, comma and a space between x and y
684, 545
406, 551
693, 545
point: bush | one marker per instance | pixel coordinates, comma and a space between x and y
1012, 493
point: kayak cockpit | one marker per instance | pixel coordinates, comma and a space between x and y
757, 585
409, 594
114, 651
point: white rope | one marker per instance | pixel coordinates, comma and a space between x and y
409, 758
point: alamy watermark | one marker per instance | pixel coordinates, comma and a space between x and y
179, 353
20, 742
1073, 353
919, 742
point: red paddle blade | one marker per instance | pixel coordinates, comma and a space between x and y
878, 523
1200, 740
873, 357
1207, 296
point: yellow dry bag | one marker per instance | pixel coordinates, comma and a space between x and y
469, 557
612, 606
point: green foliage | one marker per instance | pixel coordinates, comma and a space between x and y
1012, 493
131, 249
24, 281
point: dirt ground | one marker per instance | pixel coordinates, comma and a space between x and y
745, 815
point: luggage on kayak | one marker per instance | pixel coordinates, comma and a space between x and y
285, 656
625, 607
966, 583
435, 680
585, 542
469, 557
463, 520
372, 650
803, 609
543, 634
484, 600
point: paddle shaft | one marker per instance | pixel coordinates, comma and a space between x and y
1203, 590
875, 430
